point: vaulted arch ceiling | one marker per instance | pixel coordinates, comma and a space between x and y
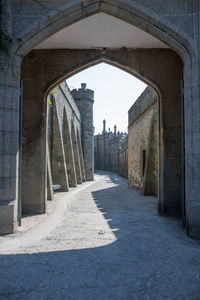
99, 31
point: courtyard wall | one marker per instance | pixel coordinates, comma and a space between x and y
143, 143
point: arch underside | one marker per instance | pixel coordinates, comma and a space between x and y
145, 16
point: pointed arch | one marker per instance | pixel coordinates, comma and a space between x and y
160, 68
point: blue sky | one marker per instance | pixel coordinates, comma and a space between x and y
114, 93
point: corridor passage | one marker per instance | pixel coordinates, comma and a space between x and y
108, 244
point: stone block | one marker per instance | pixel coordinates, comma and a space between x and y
90, 7
8, 218
6, 213
8, 228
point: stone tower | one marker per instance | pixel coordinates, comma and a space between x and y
84, 100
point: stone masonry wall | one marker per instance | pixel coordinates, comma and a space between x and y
64, 131
143, 143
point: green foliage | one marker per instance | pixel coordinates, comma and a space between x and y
49, 101
52, 92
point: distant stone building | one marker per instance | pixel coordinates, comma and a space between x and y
107, 148
143, 143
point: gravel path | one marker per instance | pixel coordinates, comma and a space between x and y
109, 243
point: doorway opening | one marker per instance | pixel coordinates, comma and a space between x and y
156, 66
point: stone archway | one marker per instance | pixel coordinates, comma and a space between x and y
160, 21
161, 68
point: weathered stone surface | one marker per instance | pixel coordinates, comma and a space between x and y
143, 136
9, 145
146, 99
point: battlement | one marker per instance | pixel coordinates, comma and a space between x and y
83, 93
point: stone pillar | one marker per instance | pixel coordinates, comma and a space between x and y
9, 124
170, 149
69, 153
9, 145
84, 99
50, 195
59, 169
34, 187
76, 155
192, 147
81, 156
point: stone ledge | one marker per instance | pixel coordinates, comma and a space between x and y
146, 99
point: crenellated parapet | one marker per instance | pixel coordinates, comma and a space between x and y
83, 94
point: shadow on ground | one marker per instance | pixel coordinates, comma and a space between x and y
151, 258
